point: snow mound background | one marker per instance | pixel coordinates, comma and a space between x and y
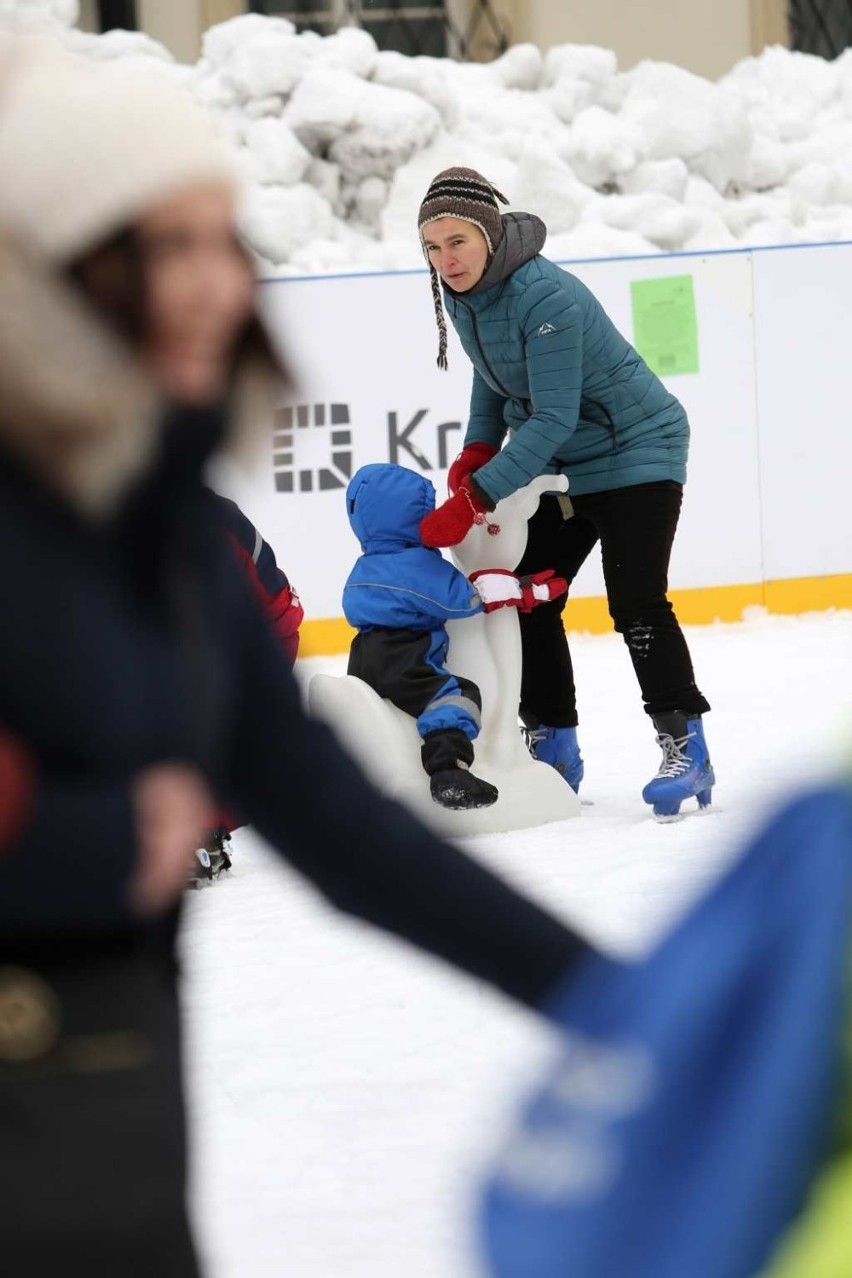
338, 141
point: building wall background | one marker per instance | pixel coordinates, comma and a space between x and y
705, 36
88, 20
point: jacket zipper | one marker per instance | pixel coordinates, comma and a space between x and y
610, 428
508, 394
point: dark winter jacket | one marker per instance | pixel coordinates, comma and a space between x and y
398, 581
550, 366
280, 601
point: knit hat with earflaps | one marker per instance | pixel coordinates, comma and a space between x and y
85, 147
85, 150
467, 195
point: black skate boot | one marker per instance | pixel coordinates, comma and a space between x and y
200, 871
447, 755
218, 849
458, 788
211, 859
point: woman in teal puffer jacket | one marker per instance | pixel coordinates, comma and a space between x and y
551, 371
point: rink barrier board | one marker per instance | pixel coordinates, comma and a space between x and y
331, 636
684, 255
764, 521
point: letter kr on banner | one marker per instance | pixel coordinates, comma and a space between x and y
313, 445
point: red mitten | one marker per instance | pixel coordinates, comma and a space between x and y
497, 588
471, 457
285, 612
453, 520
540, 588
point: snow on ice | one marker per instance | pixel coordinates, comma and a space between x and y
340, 140
346, 1091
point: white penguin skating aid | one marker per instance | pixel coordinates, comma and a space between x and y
487, 649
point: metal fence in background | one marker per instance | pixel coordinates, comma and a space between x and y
438, 28
823, 27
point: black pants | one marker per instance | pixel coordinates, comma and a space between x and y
92, 1152
636, 528
408, 668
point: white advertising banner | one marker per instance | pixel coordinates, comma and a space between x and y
768, 342
718, 541
803, 329
363, 351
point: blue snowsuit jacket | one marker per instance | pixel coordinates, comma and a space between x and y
398, 581
551, 367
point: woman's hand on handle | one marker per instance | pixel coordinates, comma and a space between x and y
469, 460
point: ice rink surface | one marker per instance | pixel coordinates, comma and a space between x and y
344, 1091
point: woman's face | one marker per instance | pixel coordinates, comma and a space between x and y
458, 251
199, 291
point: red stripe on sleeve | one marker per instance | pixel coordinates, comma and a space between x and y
17, 784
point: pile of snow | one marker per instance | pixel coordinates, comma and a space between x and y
31, 14
339, 141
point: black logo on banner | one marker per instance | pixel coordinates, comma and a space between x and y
400, 440
312, 445
312, 432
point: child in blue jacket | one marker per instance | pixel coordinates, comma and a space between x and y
399, 596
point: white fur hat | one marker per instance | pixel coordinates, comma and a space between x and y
85, 147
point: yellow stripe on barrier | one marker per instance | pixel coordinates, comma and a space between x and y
809, 594
326, 637
330, 636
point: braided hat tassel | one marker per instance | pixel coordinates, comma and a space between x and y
440, 318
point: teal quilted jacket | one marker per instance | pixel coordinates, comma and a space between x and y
551, 368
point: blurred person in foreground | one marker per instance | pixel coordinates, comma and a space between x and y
139, 680
699, 1121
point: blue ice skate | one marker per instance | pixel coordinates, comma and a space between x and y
559, 748
685, 771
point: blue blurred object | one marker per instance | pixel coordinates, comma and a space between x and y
678, 1135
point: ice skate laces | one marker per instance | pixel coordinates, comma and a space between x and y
532, 736
675, 762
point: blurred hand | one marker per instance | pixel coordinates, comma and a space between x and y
172, 806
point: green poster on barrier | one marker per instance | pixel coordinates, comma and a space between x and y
665, 326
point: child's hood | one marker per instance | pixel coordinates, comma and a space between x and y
385, 504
